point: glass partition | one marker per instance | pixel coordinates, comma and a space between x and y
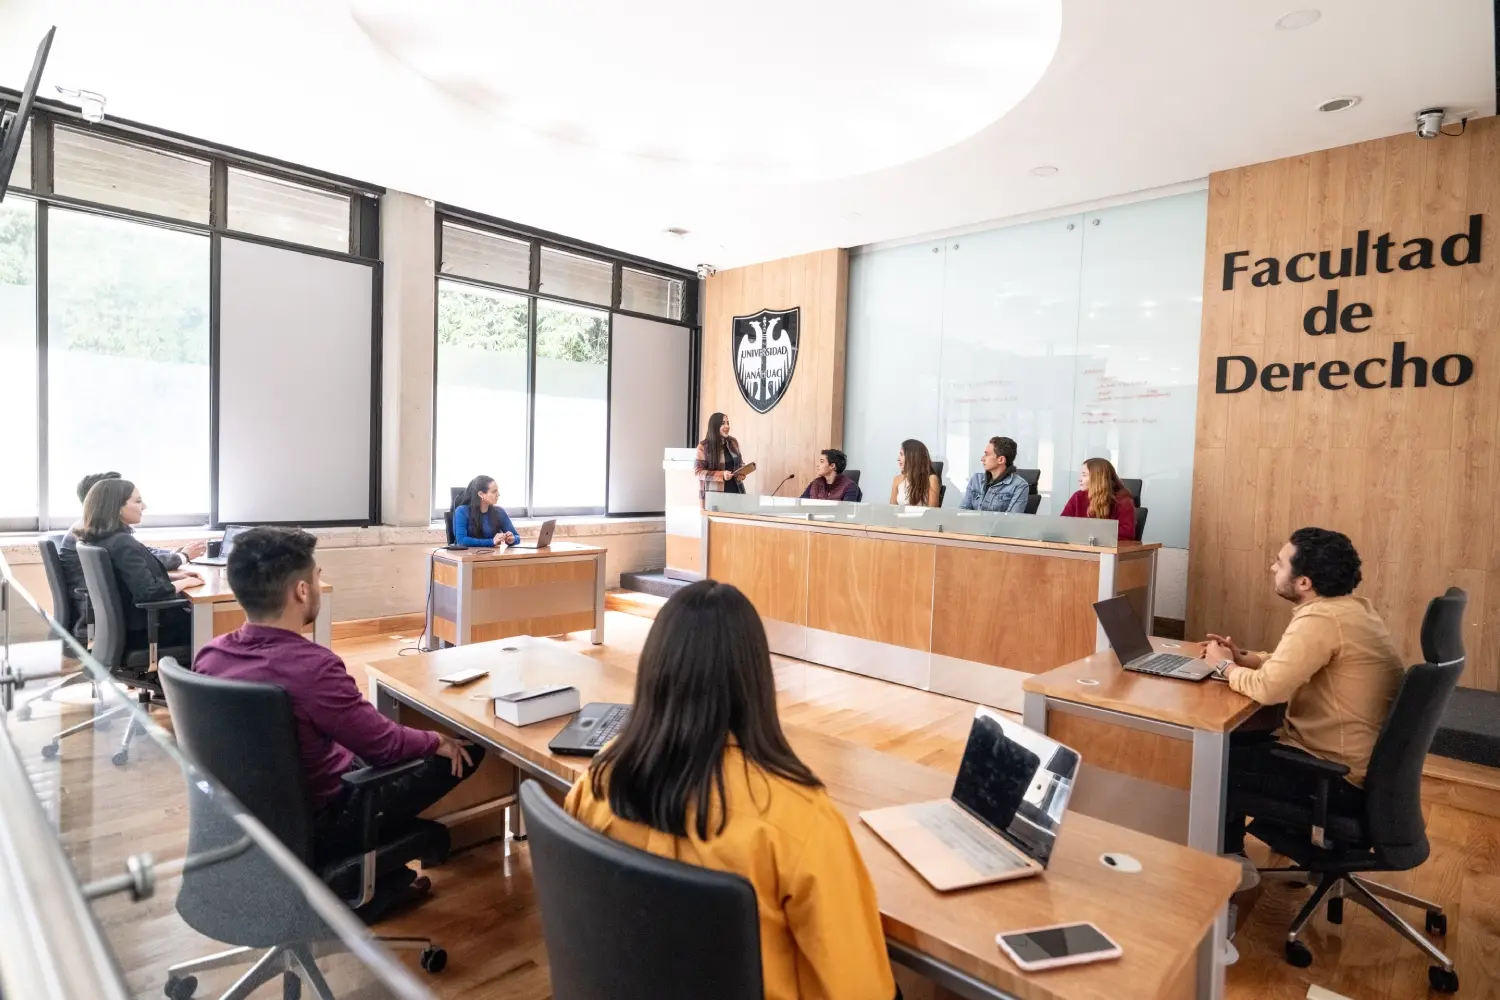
162, 868
946, 520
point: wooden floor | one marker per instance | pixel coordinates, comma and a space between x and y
483, 910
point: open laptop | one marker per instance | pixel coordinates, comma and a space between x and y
596, 724
543, 538
231, 531
1129, 640
1004, 814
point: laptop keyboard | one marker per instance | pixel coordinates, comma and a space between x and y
607, 727
965, 836
1161, 663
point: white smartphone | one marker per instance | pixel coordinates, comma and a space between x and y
464, 677
1053, 947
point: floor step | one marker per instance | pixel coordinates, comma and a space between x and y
654, 582
1470, 730
1459, 783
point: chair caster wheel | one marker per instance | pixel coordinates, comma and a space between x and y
24, 712
181, 989
291, 986
1298, 955
1437, 923
434, 959
120, 758
1442, 980
1335, 911
49, 751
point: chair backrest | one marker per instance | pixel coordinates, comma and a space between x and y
454, 493
937, 470
1032, 477
245, 737
1134, 486
853, 474
63, 607
109, 607
942, 493
1393, 785
1140, 522
1033, 502
448, 527
622, 924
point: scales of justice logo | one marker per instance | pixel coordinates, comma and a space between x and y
764, 352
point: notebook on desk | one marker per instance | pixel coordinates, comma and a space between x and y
1003, 817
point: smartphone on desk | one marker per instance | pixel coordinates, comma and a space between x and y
1056, 946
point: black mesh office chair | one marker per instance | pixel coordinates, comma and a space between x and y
65, 614
1334, 848
245, 736
1033, 502
1134, 486
853, 474
622, 924
1032, 477
133, 667
1140, 522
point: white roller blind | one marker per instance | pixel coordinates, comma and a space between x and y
294, 386
648, 406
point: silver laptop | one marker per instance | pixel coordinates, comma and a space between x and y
1129, 640
225, 547
1003, 816
542, 540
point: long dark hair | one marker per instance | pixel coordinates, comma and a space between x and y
470, 498
917, 471
704, 678
101, 509
716, 447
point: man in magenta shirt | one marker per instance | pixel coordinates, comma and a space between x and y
277, 582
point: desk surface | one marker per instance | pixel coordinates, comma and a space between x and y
1207, 704
1158, 916
215, 587
510, 552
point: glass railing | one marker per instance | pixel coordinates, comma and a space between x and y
947, 520
123, 866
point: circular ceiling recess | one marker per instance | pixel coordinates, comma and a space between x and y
776, 90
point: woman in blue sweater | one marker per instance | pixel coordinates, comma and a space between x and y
479, 521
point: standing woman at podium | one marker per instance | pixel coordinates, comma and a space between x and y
718, 460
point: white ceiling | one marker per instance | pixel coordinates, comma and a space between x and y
764, 129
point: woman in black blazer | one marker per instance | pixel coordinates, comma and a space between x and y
111, 509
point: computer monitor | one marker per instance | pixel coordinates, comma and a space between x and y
14, 127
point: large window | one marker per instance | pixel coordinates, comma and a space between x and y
523, 367
127, 360
18, 410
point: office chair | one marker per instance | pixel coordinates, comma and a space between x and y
134, 668
245, 736
937, 470
448, 527
65, 614
1334, 848
942, 493
853, 474
1134, 486
1033, 502
1032, 477
622, 924
1140, 522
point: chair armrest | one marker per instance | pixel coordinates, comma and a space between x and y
359, 782
175, 602
1326, 772
367, 777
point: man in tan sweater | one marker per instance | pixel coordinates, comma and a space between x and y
1335, 668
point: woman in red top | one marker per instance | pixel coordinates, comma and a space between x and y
1101, 494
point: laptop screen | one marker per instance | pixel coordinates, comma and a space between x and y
1123, 628
230, 531
1016, 781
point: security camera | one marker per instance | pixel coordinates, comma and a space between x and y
707, 270
1430, 123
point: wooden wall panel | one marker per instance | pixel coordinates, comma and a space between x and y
810, 416
871, 588
1409, 474
769, 565
1023, 612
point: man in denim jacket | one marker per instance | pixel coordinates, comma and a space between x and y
999, 487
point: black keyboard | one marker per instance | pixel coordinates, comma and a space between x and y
1161, 663
608, 727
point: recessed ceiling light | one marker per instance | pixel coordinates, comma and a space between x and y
1338, 104
1042, 171
1298, 19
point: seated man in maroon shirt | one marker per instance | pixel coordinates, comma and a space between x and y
831, 483
276, 581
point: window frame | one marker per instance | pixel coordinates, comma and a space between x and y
538, 239
363, 247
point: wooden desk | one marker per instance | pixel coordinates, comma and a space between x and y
1158, 916
215, 611
963, 615
482, 594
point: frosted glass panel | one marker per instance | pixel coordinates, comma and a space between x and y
894, 357
1010, 322
1075, 336
1138, 335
